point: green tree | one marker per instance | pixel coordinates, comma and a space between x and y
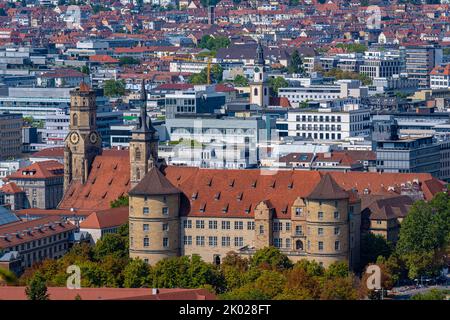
85, 69
136, 274
240, 81
214, 43
339, 288
296, 63
270, 258
126, 61
337, 270
111, 244
277, 83
373, 246
37, 289
7, 277
122, 201
114, 88
433, 294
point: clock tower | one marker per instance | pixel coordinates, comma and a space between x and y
83, 143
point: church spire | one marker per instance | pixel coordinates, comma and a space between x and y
142, 124
260, 61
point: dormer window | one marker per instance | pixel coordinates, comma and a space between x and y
291, 185
231, 184
225, 209
298, 211
217, 196
248, 209
239, 196
254, 184
210, 183
284, 210
194, 196
203, 207
272, 185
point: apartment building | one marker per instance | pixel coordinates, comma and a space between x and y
420, 61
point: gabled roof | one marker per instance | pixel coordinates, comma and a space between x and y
154, 183
10, 188
328, 189
106, 219
39, 170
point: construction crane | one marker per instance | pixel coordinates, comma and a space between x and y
208, 66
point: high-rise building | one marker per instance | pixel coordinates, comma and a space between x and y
10, 135
420, 61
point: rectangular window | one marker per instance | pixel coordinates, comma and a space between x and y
200, 241
298, 211
288, 226
288, 243
145, 227
165, 227
336, 215
145, 210
200, 224
187, 224
238, 225
278, 242
238, 241
146, 242
320, 215
261, 229
337, 245
212, 224
226, 225
226, 241
165, 242
187, 240
337, 230
298, 230
320, 246
212, 241
250, 225
165, 211
320, 231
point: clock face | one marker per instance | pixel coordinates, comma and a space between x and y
93, 138
256, 69
74, 138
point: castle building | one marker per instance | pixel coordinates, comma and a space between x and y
176, 211
259, 89
83, 143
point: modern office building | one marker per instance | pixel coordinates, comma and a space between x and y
10, 135
194, 101
420, 61
329, 123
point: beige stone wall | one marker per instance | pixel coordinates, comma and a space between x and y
327, 226
155, 220
208, 252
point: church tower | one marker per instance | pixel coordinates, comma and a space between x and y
83, 143
259, 89
143, 144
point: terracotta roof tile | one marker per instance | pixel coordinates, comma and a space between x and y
106, 219
39, 170
10, 188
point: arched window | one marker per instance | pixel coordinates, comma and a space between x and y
298, 245
260, 76
138, 174
137, 154
217, 260
75, 120
255, 92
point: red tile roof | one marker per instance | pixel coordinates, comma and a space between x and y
106, 219
230, 193
10, 188
57, 152
20, 232
39, 170
441, 70
109, 179
62, 293
103, 58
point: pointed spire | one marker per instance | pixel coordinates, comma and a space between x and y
143, 117
260, 55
